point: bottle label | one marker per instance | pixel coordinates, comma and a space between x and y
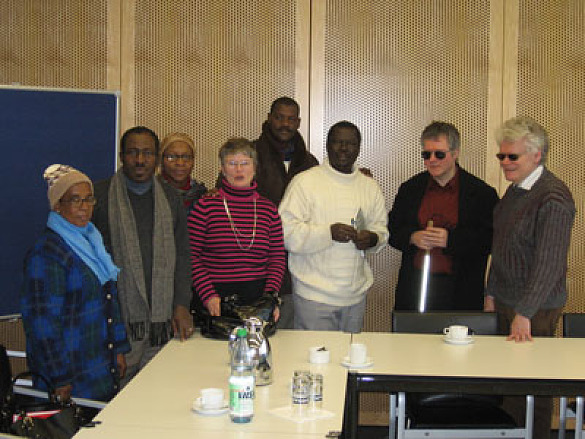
241, 396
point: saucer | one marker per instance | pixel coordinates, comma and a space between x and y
368, 363
198, 408
466, 340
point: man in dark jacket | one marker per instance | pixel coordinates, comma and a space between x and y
460, 207
282, 154
144, 226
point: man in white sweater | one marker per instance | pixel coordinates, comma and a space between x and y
331, 215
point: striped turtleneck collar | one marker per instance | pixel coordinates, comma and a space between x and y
240, 193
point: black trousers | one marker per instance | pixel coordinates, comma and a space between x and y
440, 293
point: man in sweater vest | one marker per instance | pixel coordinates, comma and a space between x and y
332, 214
532, 231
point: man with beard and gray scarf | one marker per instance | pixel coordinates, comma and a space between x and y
144, 227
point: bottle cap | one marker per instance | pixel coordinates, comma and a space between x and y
242, 332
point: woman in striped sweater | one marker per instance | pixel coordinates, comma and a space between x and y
236, 236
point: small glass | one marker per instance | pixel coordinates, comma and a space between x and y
301, 384
316, 392
297, 373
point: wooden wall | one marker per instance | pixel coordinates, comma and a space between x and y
212, 67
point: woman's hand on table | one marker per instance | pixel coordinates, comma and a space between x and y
276, 314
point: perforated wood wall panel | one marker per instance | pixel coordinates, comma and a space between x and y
392, 67
13, 339
211, 68
56, 43
551, 79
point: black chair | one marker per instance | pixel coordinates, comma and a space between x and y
5, 386
441, 415
480, 323
573, 327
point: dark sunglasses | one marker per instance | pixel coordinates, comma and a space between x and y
440, 155
511, 157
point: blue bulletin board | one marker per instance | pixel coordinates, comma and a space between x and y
40, 127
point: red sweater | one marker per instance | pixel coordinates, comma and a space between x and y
216, 255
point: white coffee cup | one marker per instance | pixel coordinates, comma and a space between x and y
357, 353
456, 332
319, 355
212, 398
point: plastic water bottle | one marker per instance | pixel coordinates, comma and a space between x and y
242, 380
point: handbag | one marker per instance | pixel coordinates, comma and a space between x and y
33, 418
233, 314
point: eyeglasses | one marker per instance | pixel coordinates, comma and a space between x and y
234, 163
78, 201
177, 157
511, 157
440, 155
135, 153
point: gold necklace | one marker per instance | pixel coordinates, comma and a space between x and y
237, 232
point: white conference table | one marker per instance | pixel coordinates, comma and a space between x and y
157, 402
425, 363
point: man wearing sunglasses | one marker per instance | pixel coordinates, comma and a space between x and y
447, 212
532, 231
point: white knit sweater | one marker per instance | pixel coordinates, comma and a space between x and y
324, 270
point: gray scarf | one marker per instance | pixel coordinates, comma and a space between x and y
126, 248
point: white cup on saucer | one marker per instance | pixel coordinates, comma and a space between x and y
456, 332
358, 353
211, 398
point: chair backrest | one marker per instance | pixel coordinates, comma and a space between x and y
5, 374
481, 323
573, 325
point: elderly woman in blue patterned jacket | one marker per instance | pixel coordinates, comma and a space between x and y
74, 331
